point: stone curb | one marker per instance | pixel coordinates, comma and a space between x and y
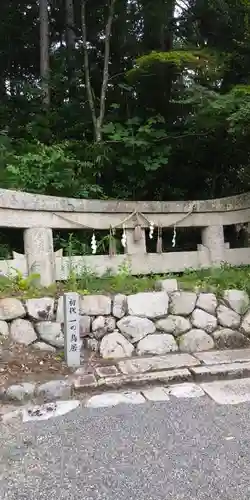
85, 383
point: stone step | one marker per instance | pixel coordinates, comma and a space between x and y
156, 363
215, 372
221, 357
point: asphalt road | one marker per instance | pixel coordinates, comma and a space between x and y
176, 450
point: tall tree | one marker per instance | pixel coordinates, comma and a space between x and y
97, 111
44, 50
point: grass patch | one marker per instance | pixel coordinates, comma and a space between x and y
206, 280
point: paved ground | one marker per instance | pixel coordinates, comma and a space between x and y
178, 449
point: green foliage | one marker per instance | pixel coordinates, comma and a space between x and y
140, 144
52, 169
216, 280
177, 59
88, 282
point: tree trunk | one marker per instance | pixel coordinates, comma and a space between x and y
44, 50
71, 41
97, 118
70, 24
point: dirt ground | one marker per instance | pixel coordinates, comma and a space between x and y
19, 363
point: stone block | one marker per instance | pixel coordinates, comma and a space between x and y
166, 377
156, 394
84, 325
119, 306
102, 325
4, 329
186, 390
228, 370
135, 328
207, 302
176, 325
195, 340
40, 309
114, 345
182, 303
95, 305
54, 389
11, 308
22, 331
227, 317
20, 392
51, 333
204, 320
106, 371
157, 343
238, 300
170, 361
221, 357
42, 346
114, 399
225, 338
84, 381
148, 304
168, 285
245, 325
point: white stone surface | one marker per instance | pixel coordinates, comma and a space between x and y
157, 343
38, 247
182, 303
227, 338
51, 332
48, 410
229, 392
95, 305
156, 394
164, 377
195, 340
213, 240
142, 365
40, 309
103, 325
238, 300
59, 310
20, 392
22, 331
135, 328
148, 304
84, 325
204, 320
4, 328
92, 344
235, 370
168, 285
245, 325
54, 389
42, 346
186, 390
227, 317
114, 399
207, 302
176, 325
114, 345
11, 308
227, 356
119, 306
